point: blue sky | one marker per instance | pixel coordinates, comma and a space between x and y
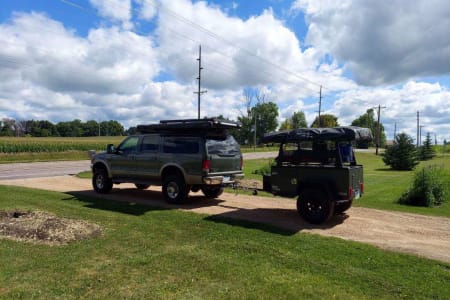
135, 60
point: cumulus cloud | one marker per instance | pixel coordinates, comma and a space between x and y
115, 10
235, 53
401, 106
382, 42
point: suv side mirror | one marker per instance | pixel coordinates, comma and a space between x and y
110, 149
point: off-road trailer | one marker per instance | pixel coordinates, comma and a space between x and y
318, 166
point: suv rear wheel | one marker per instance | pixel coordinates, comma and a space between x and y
315, 206
212, 191
101, 182
175, 189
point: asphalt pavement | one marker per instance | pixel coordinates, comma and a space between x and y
60, 168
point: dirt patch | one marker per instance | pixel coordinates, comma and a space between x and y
44, 228
421, 235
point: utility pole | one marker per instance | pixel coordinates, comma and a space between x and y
199, 92
379, 128
435, 139
395, 130
254, 137
420, 134
320, 105
417, 129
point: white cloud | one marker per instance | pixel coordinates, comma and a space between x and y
115, 10
148, 9
235, 52
382, 42
401, 106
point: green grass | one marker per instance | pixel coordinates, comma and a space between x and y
384, 186
147, 253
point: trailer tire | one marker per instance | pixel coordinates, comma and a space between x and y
315, 205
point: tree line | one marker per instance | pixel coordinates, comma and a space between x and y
75, 128
258, 116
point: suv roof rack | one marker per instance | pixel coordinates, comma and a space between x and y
188, 125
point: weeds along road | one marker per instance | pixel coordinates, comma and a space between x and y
59, 168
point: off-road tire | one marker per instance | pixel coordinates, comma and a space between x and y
212, 191
141, 186
175, 189
101, 182
315, 205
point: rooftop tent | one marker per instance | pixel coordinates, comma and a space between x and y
344, 133
188, 125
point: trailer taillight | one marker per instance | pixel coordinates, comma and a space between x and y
361, 187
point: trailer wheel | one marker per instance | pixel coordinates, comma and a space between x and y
315, 205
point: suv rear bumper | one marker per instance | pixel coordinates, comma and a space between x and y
222, 179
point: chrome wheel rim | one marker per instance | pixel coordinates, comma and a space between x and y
172, 190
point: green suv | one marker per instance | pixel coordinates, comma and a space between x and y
181, 155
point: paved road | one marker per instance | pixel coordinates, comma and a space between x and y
42, 169
59, 168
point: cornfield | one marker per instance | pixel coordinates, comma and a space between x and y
42, 145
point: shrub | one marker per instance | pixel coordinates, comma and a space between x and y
427, 152
402, 155
429, 188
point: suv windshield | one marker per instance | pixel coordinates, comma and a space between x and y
224, 146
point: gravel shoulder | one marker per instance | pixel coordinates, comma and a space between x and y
425, 236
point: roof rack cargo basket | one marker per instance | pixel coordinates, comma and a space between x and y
183, 125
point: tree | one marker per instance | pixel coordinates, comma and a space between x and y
265, 115
297, 120
7, 127
257, 110
402, 155
426, 151
367, 120
326, 120
111, 128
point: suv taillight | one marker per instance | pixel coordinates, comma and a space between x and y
206, 165
350, 193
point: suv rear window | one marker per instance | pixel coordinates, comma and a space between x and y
225, 146
186, 145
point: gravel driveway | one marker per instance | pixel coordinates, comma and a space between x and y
425, 236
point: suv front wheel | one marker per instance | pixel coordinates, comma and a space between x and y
101, 182
175, 189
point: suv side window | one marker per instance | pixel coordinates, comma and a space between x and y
150, 143
129, 145
186, 145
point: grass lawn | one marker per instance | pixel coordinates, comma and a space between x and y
146, 252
